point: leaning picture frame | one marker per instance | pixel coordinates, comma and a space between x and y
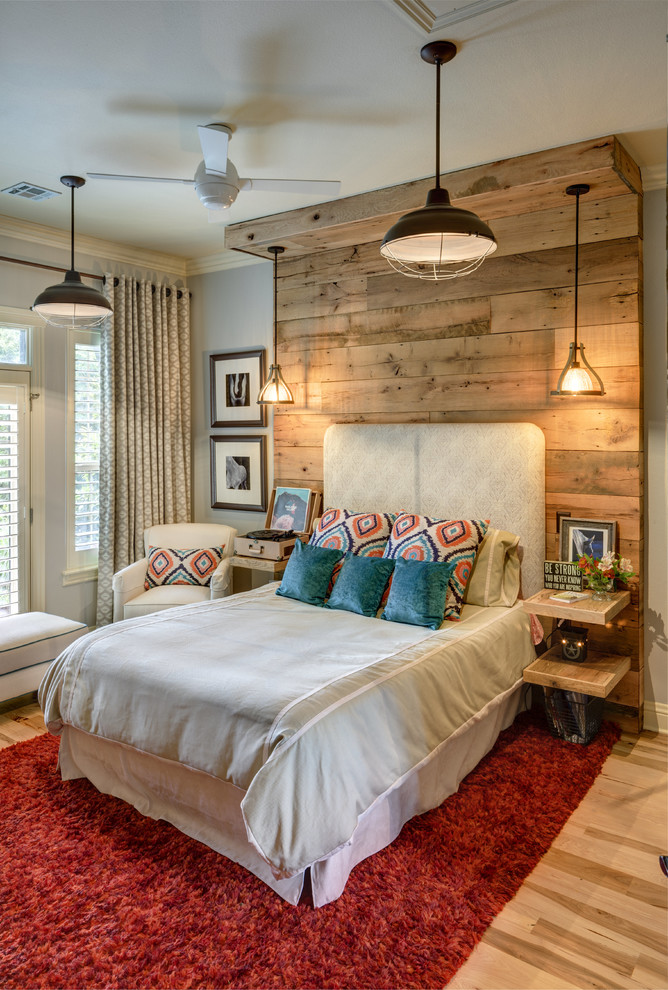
593, 537
238, 473
292, 508
236, 378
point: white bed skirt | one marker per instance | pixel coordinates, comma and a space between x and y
209, 809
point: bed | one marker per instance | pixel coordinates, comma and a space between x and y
295, 739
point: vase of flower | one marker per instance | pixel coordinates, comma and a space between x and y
601, 592
600, 573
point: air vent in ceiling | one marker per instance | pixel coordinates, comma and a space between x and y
28, 190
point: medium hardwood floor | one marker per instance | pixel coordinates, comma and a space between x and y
593, 914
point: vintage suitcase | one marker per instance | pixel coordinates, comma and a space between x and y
271, 544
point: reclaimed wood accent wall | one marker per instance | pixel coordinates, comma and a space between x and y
360, 343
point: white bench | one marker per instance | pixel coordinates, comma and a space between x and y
28, 644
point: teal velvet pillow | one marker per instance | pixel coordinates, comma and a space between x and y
418, 591
360, 584
308, 573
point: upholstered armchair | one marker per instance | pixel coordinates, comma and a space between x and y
132, 598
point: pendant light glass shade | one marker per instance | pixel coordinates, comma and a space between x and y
577, 378
71, 303
438, 241
275, 389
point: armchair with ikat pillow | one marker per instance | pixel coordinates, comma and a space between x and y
184, 563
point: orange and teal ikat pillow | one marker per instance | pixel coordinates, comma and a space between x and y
364, 534
450, 541
167, 566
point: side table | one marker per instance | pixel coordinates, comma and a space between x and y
574, 692
259, 569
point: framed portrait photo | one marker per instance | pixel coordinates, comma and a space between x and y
238, 473
235, 382
592, 537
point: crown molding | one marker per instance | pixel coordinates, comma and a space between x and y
416, 12
222, 261
51, 237
467, 11
422, 17
653, 177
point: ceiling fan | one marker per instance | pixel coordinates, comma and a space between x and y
217, 182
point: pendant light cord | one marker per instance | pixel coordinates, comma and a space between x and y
275, 307
438, 123
72, 229
577, 254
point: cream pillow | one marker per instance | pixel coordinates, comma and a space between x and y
495, 576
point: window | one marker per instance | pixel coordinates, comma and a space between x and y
14, 343
84, 449
21, 469
13, 497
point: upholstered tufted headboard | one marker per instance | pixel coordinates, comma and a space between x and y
492, 471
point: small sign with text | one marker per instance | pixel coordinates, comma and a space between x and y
562, 575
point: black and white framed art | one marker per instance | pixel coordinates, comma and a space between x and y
235, 382
238, 473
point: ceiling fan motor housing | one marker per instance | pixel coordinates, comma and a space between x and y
217, 192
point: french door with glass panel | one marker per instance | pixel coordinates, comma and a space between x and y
14, 492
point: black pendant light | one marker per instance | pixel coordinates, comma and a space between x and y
438, 241
576, 378
71, 303
275, 389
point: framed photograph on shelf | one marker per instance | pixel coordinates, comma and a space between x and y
293, 509
592, 537
238, 473
235, 382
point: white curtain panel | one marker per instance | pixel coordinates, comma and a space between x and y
145, 442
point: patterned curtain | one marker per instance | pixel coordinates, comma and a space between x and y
145, 441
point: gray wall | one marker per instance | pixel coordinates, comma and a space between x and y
231, 310
656, 481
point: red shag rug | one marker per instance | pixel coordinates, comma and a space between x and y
94, 895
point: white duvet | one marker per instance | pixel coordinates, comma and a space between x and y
313, 713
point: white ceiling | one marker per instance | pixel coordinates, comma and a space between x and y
322, 89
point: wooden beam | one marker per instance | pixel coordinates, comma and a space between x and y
497, 189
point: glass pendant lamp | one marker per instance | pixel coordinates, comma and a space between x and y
275, 389
71, 303
576, 377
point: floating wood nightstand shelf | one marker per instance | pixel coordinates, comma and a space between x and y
585, 610
596, 678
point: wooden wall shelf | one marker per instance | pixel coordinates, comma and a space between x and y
585, 610
596, 678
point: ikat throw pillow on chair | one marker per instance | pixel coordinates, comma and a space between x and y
166, 566
450, 541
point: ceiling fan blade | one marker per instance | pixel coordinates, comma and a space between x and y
214, 139
138, 178
315, 186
